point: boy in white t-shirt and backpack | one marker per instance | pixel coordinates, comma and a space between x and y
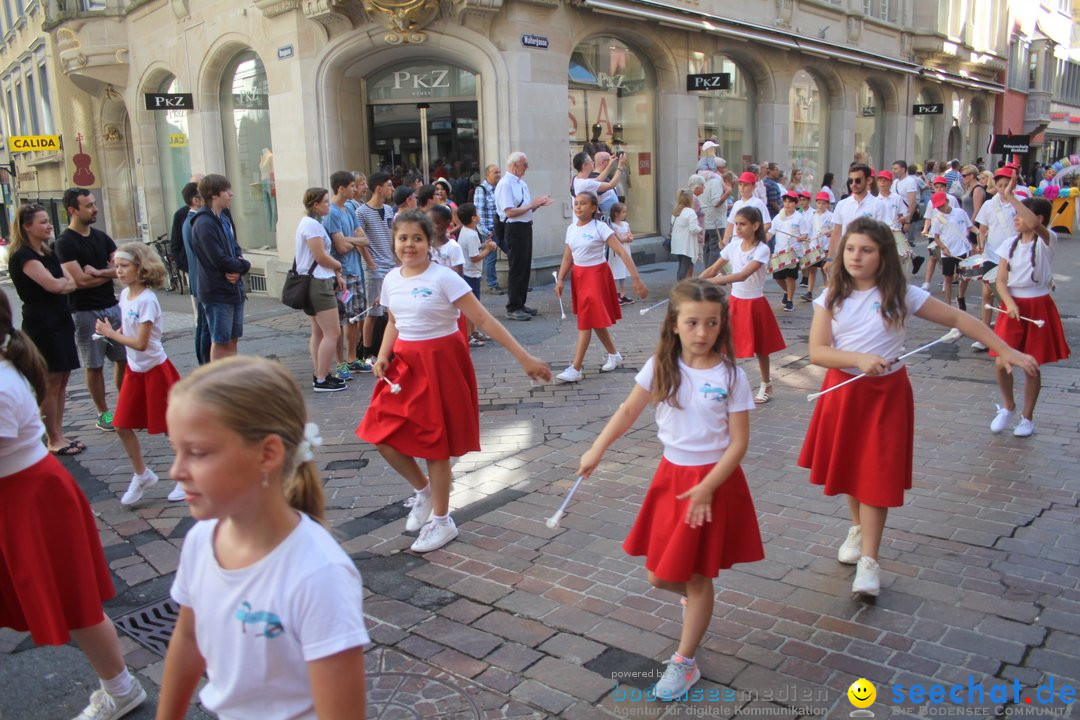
475, 251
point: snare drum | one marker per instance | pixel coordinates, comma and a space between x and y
902, 247
990, 276
972, 267
814, 255
783, 260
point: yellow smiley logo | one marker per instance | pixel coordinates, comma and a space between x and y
862, 693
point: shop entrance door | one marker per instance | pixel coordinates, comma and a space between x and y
453, 138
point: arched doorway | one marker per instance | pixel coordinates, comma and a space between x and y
613, 86
808, 128
926, 132
119, 186
727, 115
869, 126
956, 137
174, 159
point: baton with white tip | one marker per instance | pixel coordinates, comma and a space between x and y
553, 521
653, 307
562, 310
1037, 323
947, 337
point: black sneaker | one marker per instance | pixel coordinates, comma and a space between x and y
330, 384
532, 311
808, 297
784, 300
789, 306
518, 315
916, 263
805, 282
961, 303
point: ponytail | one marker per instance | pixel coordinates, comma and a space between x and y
304, 490
17, 347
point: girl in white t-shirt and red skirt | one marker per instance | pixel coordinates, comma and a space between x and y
697, 517
595, 301
144, 395
425, 404
1023, 283
860, 441
753, 324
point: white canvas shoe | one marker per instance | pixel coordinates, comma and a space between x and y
851, 550
1024, 428
867, 577
1001, 420
138, 486
104, 706
434, 535
177, 493
613, 361
570, 374
420, 512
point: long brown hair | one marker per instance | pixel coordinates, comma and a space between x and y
683, 199
17, 347
890, 280
667, 376
752, 215
254, 398
23, 216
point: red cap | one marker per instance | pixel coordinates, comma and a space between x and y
873, 172
823, 196
791, 195
938, 199
749, 178
940, 179
1005, 172
804, 194
884, 175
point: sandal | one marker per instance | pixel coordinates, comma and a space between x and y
71, 448
763, 394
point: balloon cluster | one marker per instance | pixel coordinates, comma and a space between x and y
1054, 192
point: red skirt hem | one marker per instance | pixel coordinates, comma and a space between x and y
53, 575
861, 438
673, 550
1046, 344
144, 398
436, 415
595, 300
754, 328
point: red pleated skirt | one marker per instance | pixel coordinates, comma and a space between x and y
53, 576
861, 438
144, 397
595, 299
754, 328
1047, 343
673, 550
436, 415
462, 327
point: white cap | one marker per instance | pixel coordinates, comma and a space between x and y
709, 145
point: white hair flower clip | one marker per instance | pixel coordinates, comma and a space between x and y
312, 439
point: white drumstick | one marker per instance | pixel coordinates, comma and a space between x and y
653, 307
357, 318
553, 521
394, 387
1037, 323
562, 310
947, 337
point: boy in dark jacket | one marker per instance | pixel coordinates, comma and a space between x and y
220, 266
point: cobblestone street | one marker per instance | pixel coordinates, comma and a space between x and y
980, 568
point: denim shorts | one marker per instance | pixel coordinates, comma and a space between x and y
225, 320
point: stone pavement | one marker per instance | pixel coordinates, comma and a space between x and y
980, 567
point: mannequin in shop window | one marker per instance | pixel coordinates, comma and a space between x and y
595, 144
269, 186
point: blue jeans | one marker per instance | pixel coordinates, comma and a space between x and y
489, 270
202, 335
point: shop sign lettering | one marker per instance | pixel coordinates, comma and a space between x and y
169, 101
403, 79
178, 140
34, 143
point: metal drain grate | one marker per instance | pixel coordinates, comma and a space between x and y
151, 625
255, 283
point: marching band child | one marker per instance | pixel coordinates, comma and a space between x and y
996, 227
1023, 282
145, 392
896, 211
434, 414
817, 227
446, 251
949, 228
474, 251
786, 234
595, 301
753, 324
618, 268
938, 185
271, 607
859, 326
747, 183
697, 517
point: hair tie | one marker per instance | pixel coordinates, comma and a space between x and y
305, 451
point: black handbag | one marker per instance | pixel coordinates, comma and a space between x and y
294, 293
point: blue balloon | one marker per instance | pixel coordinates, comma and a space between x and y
1039, 192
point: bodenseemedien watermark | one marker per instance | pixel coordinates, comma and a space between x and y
726, 702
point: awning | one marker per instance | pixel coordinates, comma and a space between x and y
743, 31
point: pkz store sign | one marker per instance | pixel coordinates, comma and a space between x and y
413, 82
169, 101
708, 81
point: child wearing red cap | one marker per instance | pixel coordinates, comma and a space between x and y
786, 234
939, 184
949, 227
817, 227
747, 181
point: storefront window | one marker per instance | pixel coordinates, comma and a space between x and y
869, 139
612, 87
249, 156
172, 147
726, 116
808, 128
926, 128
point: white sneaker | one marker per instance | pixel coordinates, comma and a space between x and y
867, 577
613, 361
421, 504
676, 681
1001, 420
978, 346
434, 535
925, 286
851, 550
138, 486
1024, 428
177, 494
104, 706
570, 374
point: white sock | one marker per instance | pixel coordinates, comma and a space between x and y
426, 492
441, 519
321, 379
119, 685
146, 474
683, 660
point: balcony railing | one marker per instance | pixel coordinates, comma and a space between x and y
60, 11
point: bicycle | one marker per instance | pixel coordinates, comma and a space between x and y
177, 281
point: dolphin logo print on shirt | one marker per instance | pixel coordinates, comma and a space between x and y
717, 394
272, 627
419, 293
